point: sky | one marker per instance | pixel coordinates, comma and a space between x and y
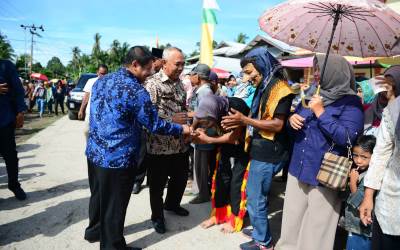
70, 23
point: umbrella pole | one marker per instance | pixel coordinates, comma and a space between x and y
335, 23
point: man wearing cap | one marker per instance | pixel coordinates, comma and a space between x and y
167, 155
204, 156
158, 62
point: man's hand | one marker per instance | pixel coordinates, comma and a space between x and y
81, 115
296, 121
384, 83
180, 118
3, 88
201, 137
234, 120
19, 120
366, 207
317, 105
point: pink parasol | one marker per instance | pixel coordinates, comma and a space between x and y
363, 28
221, 73
39, 76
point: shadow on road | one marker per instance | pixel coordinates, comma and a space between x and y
174, 224
27, 147
41, 195
50, 222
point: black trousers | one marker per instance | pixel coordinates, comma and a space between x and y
160, 167
59, 102
141, 171
9, 153
109, 203
92, 232
229, 179
381, 241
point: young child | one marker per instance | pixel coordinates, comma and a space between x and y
359, 235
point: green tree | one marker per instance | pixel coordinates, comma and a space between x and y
6, 50
55, 67
97, 54
241, 38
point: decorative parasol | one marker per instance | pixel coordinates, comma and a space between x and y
221, 73
39, 76
362, 28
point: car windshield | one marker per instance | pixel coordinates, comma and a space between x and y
83, 79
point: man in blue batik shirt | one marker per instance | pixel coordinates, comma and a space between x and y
119, 108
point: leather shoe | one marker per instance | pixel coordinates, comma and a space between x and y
137, 187
199, 200
19, 193
178, 211
159, 225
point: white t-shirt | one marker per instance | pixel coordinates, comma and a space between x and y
88, 89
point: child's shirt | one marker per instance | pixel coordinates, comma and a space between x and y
353, 223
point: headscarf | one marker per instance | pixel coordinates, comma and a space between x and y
394, 71
338, 80
377, 106
267, 65
212, 106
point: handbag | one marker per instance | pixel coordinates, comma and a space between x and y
335, 169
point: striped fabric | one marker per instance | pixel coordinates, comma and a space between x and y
334, 171
209, 20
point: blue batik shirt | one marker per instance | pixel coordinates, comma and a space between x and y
119, 108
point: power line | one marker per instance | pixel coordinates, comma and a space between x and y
32, 29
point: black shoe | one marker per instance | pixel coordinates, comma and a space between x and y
199, 200
137, 187
248, 233
19, 193
133, 248
159, 225
178, 211
92, 239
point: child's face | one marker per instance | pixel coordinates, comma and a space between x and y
361, 157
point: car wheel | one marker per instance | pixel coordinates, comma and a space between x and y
72, 115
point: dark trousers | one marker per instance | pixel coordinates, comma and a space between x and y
381, 241
110, 203
229, 179
141, 171
59, 102
50, 105
92, 232
9, 153
160, 167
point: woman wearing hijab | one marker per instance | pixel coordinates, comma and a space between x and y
384, 176
373, 115
311, 211
228, 196
265, 137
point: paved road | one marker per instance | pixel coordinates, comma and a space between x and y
53, 173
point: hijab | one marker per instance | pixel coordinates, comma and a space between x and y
377, 106
338, 81
267, 65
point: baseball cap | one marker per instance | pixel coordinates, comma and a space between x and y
201, 70
213, 76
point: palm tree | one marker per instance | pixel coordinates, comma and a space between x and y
76, 60
96, 51
115, 55
241, 38
6, 50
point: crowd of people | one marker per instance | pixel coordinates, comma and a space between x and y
227, 139
48, 96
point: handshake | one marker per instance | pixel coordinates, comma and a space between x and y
186, 119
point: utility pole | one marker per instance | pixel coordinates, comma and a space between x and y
32, 29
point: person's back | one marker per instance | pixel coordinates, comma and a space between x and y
114, 116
